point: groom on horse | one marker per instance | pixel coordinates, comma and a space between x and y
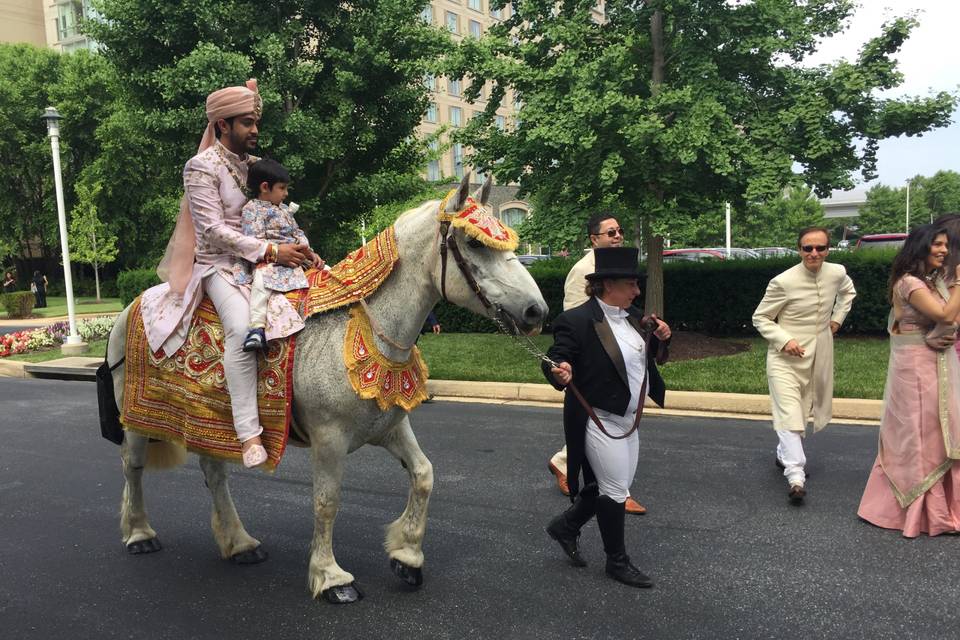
201, 253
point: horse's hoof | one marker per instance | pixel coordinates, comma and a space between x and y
413, 576
144, 546
251, 556
343, 594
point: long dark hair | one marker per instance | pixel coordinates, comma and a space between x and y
912, 257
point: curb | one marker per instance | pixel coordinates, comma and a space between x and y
742, 404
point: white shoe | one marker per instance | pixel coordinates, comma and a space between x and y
255, 456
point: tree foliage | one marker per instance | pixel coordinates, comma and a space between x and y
341, 84
676, 106
90, 240
886, 207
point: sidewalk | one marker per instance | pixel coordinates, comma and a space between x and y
43, 322
739, 405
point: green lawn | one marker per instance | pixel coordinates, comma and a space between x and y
97, 349
860, 365
57, 306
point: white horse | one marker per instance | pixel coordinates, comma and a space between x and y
326, 408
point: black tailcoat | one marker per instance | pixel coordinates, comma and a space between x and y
583, 337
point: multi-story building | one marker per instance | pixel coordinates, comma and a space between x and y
22, 21
62, 19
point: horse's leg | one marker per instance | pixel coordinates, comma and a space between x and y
137, 533
326, 577
405, 534
234, 541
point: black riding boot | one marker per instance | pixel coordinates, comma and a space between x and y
610, 518
565, 528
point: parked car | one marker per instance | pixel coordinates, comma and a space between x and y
700, 255
529, 259
774, 252
881, 241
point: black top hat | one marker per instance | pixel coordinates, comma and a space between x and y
615, 262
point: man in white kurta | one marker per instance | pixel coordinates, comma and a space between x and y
603, 231
801, 310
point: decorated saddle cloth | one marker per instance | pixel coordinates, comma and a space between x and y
183, 397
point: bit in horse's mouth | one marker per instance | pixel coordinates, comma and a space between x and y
515, 327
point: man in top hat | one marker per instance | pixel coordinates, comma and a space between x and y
603, 230
801, 310
201, 253
610, 353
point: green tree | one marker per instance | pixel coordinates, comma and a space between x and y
930, 197
676, 106
341, 83
90, 240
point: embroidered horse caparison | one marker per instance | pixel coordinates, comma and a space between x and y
331, 414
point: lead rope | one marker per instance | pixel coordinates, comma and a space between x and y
531, 347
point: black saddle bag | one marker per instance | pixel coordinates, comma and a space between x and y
110, 427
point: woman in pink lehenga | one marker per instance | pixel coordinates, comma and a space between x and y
915, 483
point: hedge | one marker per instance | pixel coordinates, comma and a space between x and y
132, 283
716, 297
18, 304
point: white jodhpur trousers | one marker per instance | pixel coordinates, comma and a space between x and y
259, 297
239, 367
614, 462
790, 453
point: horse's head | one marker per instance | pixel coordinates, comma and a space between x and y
477, 268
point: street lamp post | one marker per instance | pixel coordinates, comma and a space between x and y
908, 207
73, 344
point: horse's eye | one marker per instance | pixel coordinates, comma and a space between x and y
474, 243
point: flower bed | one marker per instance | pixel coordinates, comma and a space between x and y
53, 335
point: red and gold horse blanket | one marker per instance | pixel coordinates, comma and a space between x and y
183, 398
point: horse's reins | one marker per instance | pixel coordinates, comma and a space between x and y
449, 241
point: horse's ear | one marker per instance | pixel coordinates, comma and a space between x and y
482, 194
459, 199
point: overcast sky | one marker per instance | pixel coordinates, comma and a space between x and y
928, 61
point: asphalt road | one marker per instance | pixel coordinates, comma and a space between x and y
729, 557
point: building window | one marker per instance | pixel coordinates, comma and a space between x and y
426, 14
513, 217
476, 5
433, 166
431, 114
456, 116
429, 81
475, 30
453, 87
453, 22
458, 160
69, 15
501, 122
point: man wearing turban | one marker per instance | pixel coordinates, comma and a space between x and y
201, 252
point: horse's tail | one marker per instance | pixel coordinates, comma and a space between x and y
165, 455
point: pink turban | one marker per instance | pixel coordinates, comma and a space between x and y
176, 267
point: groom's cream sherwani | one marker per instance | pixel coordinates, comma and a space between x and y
799, 305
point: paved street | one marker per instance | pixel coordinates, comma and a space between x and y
729, 557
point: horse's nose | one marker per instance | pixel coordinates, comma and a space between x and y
534, 315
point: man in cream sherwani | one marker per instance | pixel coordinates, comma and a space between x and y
801, 310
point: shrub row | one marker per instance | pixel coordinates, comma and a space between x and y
18, 304
716, 297
132, 283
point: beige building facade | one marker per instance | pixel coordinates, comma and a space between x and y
22, 21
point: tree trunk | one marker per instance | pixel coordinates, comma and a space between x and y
96, 266
653, 300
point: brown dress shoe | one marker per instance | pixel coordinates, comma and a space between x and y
561, 478
634, 507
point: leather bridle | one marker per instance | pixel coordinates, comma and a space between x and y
448, 240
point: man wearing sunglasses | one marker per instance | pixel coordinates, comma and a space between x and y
603, 231
801, 311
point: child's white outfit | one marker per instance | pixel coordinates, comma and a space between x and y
273, 223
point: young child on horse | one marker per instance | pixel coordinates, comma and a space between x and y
266, 217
